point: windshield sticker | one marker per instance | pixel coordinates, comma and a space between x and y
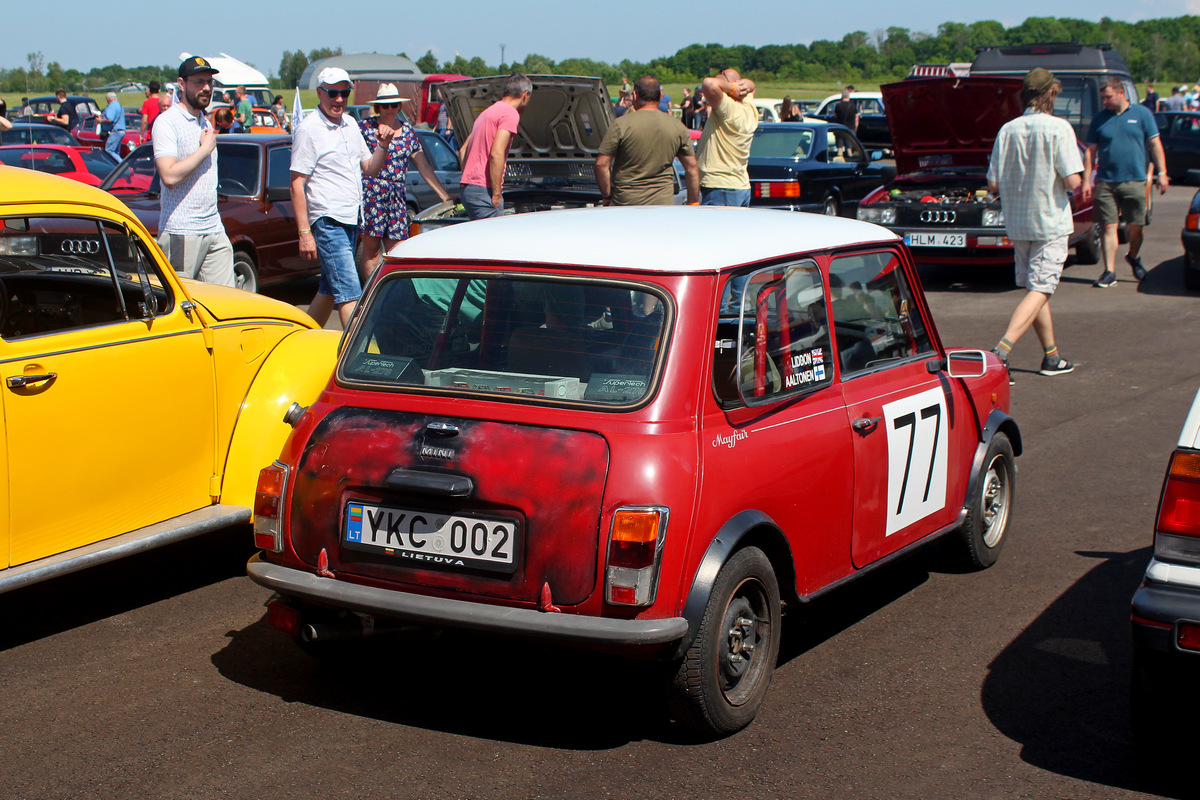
806, 368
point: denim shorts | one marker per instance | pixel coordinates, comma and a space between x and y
335, 246
724, 197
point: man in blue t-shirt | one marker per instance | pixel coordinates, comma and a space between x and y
115, 114
1118, 141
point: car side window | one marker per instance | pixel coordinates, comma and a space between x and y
848, 147
67, 273
279, 162
237, 169
875, 318
777, 345
439, 155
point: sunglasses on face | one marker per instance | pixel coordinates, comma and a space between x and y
335, 93
388, 105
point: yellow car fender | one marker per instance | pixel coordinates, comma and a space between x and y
295, 372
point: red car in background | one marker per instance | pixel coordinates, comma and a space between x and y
942, 133
88, 165
93, 132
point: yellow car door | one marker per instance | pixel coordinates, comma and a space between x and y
107, 385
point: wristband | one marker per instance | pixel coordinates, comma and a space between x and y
305, 230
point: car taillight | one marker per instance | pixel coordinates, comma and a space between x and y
1192, 222
775, 188
1177, 529
268, 507
634, 552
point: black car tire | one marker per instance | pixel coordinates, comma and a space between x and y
982, 535
721, 681
830, 206
1191, 273
244, 272
1090, 249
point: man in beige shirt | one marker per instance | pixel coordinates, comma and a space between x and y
725, 143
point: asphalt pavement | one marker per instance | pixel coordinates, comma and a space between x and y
158, 676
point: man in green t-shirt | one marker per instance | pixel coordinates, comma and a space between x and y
245, 108
634, 167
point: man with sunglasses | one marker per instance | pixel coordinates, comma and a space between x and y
329, 158
191, 234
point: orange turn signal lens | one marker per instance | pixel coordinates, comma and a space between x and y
1192, 222
639, 527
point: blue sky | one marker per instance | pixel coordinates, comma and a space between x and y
81, 34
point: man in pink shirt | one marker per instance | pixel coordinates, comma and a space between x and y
485, 151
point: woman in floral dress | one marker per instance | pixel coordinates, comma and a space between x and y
385, 210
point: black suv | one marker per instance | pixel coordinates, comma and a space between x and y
1080, 67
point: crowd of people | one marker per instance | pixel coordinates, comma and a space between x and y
348, 177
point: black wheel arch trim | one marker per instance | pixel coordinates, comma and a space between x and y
729, 539
997, 422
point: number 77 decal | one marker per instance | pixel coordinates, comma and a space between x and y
917, 461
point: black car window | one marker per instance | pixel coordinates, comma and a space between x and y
875, 318
848, 147
98, 163
237, 169
136, 173
56, 274
55, 162
439, 155
772, 337
279, 160
773, 142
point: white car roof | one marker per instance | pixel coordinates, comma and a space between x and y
641, 238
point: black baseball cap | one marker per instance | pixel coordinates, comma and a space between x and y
196, 65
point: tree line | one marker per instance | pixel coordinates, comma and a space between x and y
1156, 50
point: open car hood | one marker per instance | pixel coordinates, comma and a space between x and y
560, 130
948, 122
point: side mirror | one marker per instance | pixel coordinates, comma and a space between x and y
877, 155
278, 194
966, 363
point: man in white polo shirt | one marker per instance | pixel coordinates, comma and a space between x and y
190, 229
329, 157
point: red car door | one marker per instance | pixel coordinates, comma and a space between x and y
908, 423
774, 438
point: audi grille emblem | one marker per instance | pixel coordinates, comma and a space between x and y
79, 246
938, 216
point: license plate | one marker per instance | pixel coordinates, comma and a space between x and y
935, 239
425, 539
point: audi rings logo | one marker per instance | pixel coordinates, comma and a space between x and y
938, 216
79, 247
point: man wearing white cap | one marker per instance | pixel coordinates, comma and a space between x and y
329, 157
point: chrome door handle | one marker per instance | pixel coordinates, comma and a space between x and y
865, 425
19, 381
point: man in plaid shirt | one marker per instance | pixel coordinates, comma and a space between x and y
1035, 166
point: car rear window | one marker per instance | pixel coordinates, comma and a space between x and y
534, 339
774, 142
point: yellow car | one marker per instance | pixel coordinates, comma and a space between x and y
138, 407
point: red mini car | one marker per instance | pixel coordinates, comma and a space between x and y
94, 131
554, 426
84, 164
943, 130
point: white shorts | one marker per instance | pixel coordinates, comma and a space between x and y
206, 257
1039, 265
